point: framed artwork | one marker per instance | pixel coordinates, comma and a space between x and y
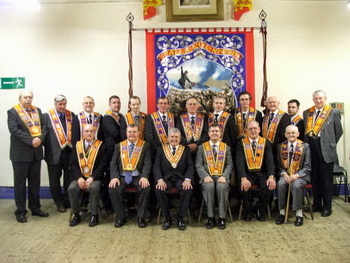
194, 10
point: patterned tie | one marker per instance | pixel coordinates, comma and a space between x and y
90, 119
254, 146
244, 120
128, 174
192, 121
29, 112
215, 152
272, 115
291, 153
174, 151
216, 118
165, 124
137, 120
63, 122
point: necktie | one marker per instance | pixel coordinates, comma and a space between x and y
128, 174
137, 120
215, 151
174, 151
244, 120
192, 121
254, 146
317, 114
165, 124
216, 118
63, 122
90, 119
291, 151
87, 148
29, 112
272, 115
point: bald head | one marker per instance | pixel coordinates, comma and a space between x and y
89, 132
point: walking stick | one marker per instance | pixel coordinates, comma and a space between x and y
287, 208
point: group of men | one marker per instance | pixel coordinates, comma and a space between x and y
192, 154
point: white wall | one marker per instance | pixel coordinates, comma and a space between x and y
81, 49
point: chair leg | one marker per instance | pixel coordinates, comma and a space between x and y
158, 218
240, 210
189, 216
200, 211
309, 204
268, 211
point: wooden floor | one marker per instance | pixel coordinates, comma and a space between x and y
52, 240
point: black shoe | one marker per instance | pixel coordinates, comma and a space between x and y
211, 223
21, 218
167, 223
141, 222
181, 224
119, 223
93, 220
40, 213
247, 217
75, 220
280, 219
260, 216
61, 209
298, 221
222, 223
326, 213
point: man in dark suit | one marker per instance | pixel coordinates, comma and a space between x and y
131, 165
88, 166
295, 118
58, 148
323, 130
255, 167
294, 161
28, 131
214, 166
173, 167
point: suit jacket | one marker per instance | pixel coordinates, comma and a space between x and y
52, 147
76, 130
301, 128
267, 167
21, 149
305, 162
112, 132
281, 129
144, 165
99, 167
202, 164
258, 118
204, 135
162, 168
329, 136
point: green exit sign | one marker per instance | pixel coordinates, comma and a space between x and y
12, 83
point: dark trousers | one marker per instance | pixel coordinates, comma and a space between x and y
55, 173
321, 176
264, 194
116, 195
22, 171
185, 197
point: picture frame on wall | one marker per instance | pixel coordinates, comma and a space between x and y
194, 10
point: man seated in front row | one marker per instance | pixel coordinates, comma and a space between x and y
214, 166
294, 161
88, 165
173, 167
255, 167
131, 165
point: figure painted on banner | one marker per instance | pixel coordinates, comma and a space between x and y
214, 166
294, 162
173, 167
130, 166
58, 149
295, 118
135, 116
28, 132
255, 167
323, 130
88, 166
184, 81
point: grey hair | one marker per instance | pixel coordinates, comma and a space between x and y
23, 92
321, 92
60, 98
174, 130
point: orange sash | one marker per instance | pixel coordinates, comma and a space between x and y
222, 122
173, 159
240, 121
32, 123
158, 124
295, 163
270, 132
130, 120
195, 131
87, 160
114, 116
130, 162
83, 122
215, 166
62, 138
314, 128
254, 161
296, 120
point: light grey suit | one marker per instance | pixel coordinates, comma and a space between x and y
222, 189
297, 187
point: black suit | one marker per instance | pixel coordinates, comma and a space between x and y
255, 177
57, 160
26, 162
144, 167
173, 177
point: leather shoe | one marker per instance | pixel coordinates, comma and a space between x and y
280, 219
326, 213
211, 222
141, 222
260, 216
298, 221
75, 220
222, 223
93, 220
61, 209
40, 213
167, 223
119, 223
247, 217
181, 224
21, 218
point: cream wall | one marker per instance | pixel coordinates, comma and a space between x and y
81, 49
